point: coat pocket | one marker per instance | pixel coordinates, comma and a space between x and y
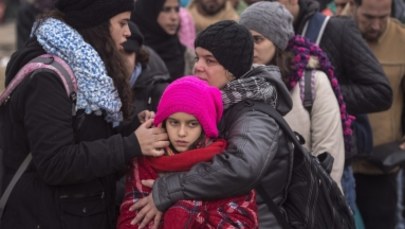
84, 211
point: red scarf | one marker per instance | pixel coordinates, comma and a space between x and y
222, 213
185, 160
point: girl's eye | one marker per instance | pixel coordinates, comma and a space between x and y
194, 124
173, 122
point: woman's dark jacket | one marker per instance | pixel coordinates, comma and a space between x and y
70, 182
258, 154
364, 85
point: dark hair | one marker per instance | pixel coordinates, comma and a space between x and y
142, 57
99, 37
284, 61
358, 2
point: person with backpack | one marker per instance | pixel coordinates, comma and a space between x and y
74, 140
258, 151
305, 70
364, 85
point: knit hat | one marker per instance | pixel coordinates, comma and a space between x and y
272, 20
230, 43
193, 96
135, 41
88, 13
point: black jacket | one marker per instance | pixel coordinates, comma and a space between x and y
364, 85
70, 182
257, 153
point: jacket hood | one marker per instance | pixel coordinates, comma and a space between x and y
284, 101
307, 9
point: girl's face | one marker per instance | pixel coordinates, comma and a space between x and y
169, 18
209, 69
264, 49
119, 29
183, 130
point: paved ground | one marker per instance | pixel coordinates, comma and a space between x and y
7, 47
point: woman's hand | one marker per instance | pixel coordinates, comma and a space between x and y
152, 140
146, 210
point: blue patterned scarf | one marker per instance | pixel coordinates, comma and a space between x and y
96, 90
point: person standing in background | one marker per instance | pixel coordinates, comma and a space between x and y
377, 195
208, 12
159, 21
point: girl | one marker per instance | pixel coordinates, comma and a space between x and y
189, 110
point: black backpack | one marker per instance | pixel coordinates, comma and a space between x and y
313, 199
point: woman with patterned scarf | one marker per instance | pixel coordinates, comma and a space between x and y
189, 110
326, 126
258, 152
70, 182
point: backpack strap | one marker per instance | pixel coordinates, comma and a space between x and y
65, 74
314, 27
13, 182
308, 99
46, 61
267, 109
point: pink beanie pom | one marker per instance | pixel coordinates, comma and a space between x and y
191, 95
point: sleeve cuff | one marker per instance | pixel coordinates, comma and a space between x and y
131, 147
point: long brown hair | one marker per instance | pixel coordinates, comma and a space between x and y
100, 39
284, 60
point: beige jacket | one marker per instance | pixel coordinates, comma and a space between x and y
386, 125
203, 21
322, 128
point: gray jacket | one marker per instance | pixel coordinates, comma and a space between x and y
257, 154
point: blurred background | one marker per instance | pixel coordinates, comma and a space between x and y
8, 11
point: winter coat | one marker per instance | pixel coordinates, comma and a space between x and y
70, 182
258, 154
363, 83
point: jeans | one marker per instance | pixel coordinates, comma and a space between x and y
349, 189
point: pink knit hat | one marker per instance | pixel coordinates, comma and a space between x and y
191, 95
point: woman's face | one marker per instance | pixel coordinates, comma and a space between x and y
119, 29
183, 130
264, 49
169, 18
209, 69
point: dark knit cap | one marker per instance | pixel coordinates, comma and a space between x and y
135, 41
230, 43
89, 13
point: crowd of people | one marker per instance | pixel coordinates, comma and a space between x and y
150, 142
